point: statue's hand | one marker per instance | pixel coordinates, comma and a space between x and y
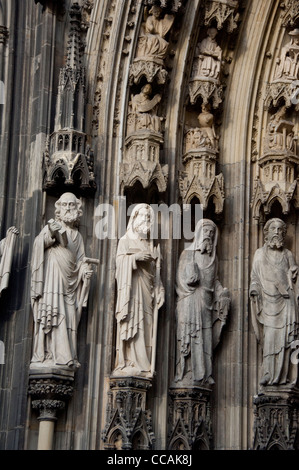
12, 230
143, 256
54, 227
88, 272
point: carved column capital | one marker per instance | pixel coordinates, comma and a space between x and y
49, 394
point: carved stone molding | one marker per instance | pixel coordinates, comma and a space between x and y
281, 91
173, 5
50, 390
142, 162
149, 69
209, 91
68, 161
278, 163
222, 12
276, 414
290, 12
191, 427
199, 179
128, 423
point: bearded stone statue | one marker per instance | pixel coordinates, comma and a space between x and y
202, 307
274, 305
59, 286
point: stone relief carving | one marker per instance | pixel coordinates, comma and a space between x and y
140, 294
7, 246
287, 67
152, 46
205, 76
128, 422
142, 145
202, 307
60, 283
200, 157
286, 73
274, 304
143, 111
278, 164
191, 419
222, 11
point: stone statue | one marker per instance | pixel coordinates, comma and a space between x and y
209, 56
274, 304
280, 133
206, 126
7, 245
288, 64
143, 111
60, 283
151, 42
140, 294
202, 307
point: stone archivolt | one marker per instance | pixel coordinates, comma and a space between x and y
278, 163
278, 159
144, 131
198, 179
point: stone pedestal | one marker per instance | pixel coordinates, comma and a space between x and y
142, 161
276, 419
128, 423
191, 427
50, 389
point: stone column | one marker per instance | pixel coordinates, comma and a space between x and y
49, 390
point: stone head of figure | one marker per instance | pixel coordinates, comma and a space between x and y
141, 220
68, 209
212, 33
274, 233
205, 234
155, 11
147, 89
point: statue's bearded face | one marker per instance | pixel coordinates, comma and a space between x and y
68, 209
205, 239
143, 222
275, 236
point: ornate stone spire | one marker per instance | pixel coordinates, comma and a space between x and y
68, 160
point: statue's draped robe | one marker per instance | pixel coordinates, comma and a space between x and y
56, 286
275, 317
210, 56
151, 42
198, 290
134, 307
6, 253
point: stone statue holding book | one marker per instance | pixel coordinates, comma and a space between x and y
60, 283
